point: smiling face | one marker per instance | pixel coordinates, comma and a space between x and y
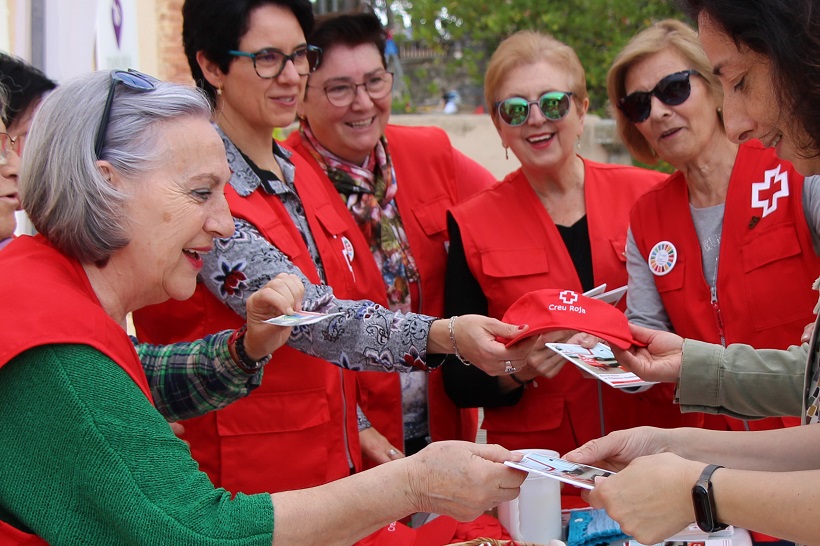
259, 103
543, 147
175, 212
751, 108
681, 133
9, 199
350, 132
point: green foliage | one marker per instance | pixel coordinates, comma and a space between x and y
596, 29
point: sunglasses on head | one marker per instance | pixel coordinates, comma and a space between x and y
515, 111
672, 90
136, 81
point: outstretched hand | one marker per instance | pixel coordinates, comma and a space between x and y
282, 295
476, 340
659, 360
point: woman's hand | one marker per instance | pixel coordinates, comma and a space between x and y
376, 447
475, 337
544, 362
282, 295
660, 360
462, 479
617, 449
651, 498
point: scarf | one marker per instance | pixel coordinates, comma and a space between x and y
369, 191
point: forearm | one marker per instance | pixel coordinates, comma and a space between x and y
781, 504
787, 449
190, 379
343, 511
644, 306
742, 381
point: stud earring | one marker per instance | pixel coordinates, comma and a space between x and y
219, 91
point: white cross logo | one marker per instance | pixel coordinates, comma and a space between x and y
568, 296
771, 177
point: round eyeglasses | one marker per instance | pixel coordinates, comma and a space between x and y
341, 93
671, 90
515, 111
8, 145
270, 62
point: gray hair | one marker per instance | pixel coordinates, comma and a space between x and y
63, 191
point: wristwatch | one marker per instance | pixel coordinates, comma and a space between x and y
703, 499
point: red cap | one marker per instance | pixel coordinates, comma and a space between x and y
554, 309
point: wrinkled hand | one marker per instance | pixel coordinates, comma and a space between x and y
476, 339
651, 498
660, 360
544, 362
462, 479
807, 332
282, 295
376, 447
617, 449
179, 430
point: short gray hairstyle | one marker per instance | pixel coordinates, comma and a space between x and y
63, 191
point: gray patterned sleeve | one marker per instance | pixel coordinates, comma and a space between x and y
644, 306
366, 336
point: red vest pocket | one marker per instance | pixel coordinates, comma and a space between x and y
514, 262
432, 216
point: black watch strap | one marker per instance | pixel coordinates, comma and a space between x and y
703, 501
246, 363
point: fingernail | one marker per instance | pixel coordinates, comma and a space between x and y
522, 326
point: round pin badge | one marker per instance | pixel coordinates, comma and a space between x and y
348, 249
662, 258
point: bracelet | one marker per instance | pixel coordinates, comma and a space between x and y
517, 380
451, 328
245, 363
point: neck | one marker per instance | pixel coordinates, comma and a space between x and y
707, 176
561, 191
254, 141
114, 289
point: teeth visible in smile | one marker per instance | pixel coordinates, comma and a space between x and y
363, 123
192, 253
537, 139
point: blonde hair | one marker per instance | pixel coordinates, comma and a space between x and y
666, 34
527, 47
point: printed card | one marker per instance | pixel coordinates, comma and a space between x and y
579, 475
300, 318
600, 363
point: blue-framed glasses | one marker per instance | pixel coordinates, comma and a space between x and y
136, 81
515, 111
270, 62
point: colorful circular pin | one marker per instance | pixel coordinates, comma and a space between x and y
348, 249
662, 258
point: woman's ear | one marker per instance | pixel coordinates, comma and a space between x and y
210, 70
110, 174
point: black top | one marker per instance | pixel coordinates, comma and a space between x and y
469, 386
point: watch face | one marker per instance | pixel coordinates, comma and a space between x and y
704, 515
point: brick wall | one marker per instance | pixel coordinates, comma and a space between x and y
172, 63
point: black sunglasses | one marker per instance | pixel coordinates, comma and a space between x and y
672, 90
515, 111
136, 81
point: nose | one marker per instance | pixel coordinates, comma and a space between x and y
220, 222
11, 168
739, 126
657, 108
536, 116
289, 73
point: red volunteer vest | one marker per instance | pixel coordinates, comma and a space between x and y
295, 430
63, 291
513, 247
766, 265
426, 190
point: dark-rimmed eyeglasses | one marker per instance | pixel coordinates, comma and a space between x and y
342, 93
136, 81
270, 62
671, 90
515, 111
8, 145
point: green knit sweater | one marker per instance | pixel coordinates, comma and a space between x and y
86, 459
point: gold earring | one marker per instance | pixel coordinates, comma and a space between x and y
219, 91
507, 152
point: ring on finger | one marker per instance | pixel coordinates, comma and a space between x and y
392, 452
509, 368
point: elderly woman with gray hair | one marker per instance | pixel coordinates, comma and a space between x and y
123, 179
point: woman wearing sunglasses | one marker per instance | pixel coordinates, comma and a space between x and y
723, 251
300, 427
397, 183
559, 221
